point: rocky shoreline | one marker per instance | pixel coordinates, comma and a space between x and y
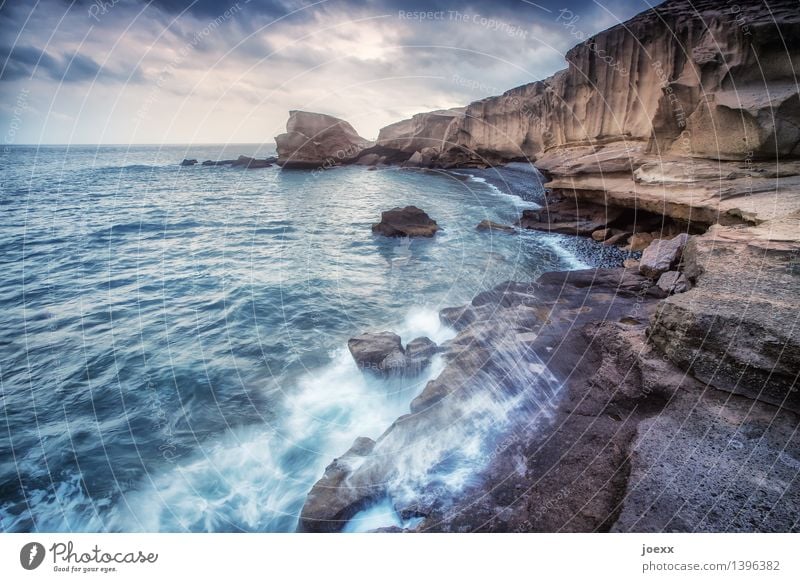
658, 397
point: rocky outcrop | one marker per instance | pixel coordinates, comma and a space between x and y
737, 328
188, 162
566, 418
383, 354
409, 221
315, 140
488, 225
694, 79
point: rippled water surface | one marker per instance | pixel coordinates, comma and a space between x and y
173, 339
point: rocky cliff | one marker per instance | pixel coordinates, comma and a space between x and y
632, 399
697, 79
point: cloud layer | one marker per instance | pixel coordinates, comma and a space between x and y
172, 71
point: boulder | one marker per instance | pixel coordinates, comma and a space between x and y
382, 354
379, 353
661, 255
673, 282
489, 225
315, 140
409, 221
186, 162
601, 234
421, 348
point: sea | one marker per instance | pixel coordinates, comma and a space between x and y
173, 340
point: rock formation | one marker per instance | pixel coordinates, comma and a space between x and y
314, 140
658, 397
383, 354
408, 221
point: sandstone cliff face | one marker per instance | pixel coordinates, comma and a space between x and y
315, 140
698, 79
422, 131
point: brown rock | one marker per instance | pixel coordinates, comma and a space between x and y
673, 282
489, 225
661, 255
601, 235
408, 221
314, 140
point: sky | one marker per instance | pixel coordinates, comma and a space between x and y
229, 71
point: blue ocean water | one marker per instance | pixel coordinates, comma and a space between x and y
173, 339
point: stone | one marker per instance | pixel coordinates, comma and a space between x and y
673, 282
316, 140
661, 255
601, 234
421, 347
378, 353
619, 238
568, 217
250, 163
187, 162
488, 225
409, 221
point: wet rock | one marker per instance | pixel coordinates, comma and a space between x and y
379, 353
328, 506
409, 221
490, 226
567, 217
661, 255
601, 234
188, 162
421, 348
251, 163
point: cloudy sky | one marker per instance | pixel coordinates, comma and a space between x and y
210, 71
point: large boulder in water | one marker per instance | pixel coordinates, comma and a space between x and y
378, 353
408, 221
314, 140
382, 353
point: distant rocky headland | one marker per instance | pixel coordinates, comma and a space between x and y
677, 403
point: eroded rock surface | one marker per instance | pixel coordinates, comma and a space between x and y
409, 221
314, 140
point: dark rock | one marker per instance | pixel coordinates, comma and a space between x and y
188, 162
661, 255
421, 347
251, 163
409, 221
569, 217
379, 353
490, 226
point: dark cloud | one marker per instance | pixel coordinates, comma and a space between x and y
26, 61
